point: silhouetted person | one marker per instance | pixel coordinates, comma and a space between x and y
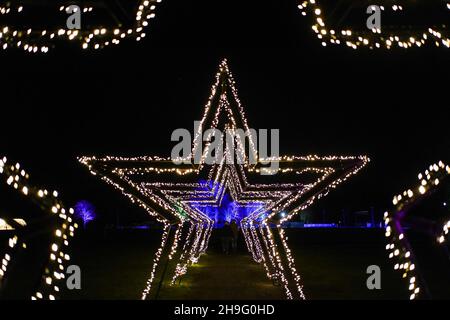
227, 236
234, 234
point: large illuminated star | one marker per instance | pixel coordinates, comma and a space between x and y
177, 194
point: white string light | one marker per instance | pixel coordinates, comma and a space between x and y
49, 202
375, 38
398, 247
40, 41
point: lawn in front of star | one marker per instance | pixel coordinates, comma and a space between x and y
332, 263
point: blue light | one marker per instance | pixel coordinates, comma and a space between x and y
85, 211
319, 225
228, 209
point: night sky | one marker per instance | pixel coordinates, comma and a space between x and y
127, 100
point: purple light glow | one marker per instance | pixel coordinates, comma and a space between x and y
85, 211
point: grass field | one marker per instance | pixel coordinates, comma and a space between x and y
332, 264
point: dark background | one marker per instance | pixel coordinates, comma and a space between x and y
127, 100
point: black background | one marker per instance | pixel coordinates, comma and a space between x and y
127, 100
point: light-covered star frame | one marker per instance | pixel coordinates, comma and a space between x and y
398, 247
175, 194
53, 276
331, 29
40, 40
